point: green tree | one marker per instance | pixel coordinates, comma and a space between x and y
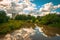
50, 19
25, 17
20, 17
3, 17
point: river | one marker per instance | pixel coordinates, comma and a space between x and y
29, 34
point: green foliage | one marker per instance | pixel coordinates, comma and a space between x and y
51, 20
39, 18
25, 17
3, 17
26, 21
10, 26
20, 17
13, 25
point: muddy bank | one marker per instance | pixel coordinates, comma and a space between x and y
51, 31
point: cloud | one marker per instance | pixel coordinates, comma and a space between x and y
20, 6
48, 8
31, 7
56, 7
1, 0
17, 6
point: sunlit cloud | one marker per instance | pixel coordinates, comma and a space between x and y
1, 0
48, 8
20, 6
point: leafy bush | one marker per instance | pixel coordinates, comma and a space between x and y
3, 17
25, 17
50, 19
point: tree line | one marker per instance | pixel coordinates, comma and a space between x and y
50, 19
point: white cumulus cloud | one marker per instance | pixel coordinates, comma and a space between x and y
48, 8
17, 6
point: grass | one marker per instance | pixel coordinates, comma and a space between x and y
13, 25
55, 25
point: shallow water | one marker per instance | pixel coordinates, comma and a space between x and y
29, 34
39, 35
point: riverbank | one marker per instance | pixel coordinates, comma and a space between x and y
13, 25
28, 34
50, 31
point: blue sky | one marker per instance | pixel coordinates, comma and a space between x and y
34, 5
39, 3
